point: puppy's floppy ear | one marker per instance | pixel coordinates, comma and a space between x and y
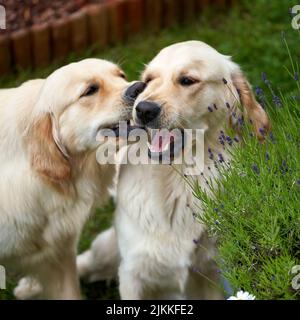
252, 109
46, 156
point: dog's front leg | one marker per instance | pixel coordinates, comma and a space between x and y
57, 274
59, 280
51, 280
130, 287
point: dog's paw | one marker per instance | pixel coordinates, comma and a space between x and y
27, 288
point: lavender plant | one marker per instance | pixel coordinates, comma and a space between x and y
255, 209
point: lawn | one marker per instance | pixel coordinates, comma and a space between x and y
251, 32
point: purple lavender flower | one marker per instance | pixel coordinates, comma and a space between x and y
236, 139
296, 76
210, 109
241, 120
276, 101
264, 77
255, 168
259, 91
221, 159
262, 131
222, 139
229, 140
298, 182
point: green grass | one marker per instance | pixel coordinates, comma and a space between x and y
251, 33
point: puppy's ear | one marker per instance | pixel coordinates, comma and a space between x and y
46, 156
252, 109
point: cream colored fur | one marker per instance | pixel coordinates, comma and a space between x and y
50, 180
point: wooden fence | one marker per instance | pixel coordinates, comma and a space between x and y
100, 25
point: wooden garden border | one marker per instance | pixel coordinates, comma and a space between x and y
99, 25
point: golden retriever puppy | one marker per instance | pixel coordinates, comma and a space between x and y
164, 251
50, 179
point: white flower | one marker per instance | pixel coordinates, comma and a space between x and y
241, 295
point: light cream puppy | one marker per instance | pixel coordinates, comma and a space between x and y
50, 179
164, 251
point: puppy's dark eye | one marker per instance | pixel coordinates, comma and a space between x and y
187, 81
122, 75
92, 89
148, 79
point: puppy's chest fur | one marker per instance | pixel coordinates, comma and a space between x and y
156, 223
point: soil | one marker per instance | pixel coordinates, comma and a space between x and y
21, 14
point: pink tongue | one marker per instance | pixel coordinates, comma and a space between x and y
161, 140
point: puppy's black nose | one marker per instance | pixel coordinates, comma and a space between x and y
134, 90
147, 111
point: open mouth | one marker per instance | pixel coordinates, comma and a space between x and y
121, 129
164, 145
